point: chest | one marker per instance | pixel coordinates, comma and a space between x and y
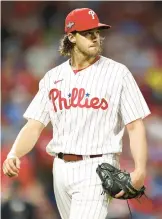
92, 88
99, 83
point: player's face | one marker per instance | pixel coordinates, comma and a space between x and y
88, 42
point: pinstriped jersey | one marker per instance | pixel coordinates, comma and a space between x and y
88, 110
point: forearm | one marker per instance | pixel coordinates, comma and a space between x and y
138, 145
25, 140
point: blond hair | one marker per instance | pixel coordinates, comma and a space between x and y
66, 46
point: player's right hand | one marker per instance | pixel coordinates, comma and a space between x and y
11, 167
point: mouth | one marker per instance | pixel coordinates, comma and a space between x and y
94, 45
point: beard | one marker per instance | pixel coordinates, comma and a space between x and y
91, 51
94, 51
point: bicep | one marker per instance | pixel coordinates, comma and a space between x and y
35, 125
135, 125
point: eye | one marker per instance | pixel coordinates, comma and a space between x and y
89, 33
86, 33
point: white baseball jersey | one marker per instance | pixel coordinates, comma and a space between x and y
88, 110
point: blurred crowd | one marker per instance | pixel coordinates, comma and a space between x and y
30, 36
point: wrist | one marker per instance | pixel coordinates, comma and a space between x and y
11, 155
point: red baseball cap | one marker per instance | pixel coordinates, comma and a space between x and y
83, 19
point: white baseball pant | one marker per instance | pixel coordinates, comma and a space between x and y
78, 188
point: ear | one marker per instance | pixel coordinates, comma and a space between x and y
71, 37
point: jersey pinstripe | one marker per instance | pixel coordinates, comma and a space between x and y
88, 110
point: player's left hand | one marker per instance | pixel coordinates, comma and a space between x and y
137, 180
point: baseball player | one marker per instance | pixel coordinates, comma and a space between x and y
89, 99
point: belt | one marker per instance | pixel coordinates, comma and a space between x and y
74, 157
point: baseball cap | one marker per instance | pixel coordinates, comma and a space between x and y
83, 19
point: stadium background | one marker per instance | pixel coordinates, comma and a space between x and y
30, 34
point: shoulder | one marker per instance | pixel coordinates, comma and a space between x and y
53, 73
118, 67
56, 70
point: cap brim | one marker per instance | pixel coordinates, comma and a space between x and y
100, 26
103, 26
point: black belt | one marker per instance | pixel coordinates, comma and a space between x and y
74, 157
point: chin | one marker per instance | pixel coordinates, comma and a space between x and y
94, 51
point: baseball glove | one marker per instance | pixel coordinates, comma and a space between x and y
114, 180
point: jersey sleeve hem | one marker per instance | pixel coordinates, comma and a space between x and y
137, 117
44, 122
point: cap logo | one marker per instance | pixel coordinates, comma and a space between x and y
92, 13
70, 24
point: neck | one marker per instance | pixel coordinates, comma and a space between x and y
79, 60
